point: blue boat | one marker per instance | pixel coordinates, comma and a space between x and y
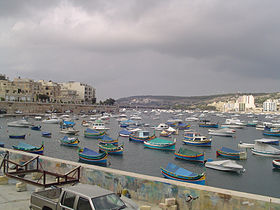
36, 127
17, 136
197, 140
87, 155
231, 154
141, 136
111, 149
187, 154
67, 124
208, 124
108, 140
125, 133
46, 134
160, 144
2, 144
124, 125
177, 173
183, 126
271, 131
29, 148
70, 142
94, 134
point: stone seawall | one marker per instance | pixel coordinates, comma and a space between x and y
30, 107
154, 189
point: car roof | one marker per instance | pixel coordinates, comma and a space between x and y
88, 190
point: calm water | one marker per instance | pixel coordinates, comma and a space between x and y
259, 177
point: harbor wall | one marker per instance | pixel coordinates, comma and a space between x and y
33, 108
154, 189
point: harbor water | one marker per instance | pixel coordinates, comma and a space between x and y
259, 177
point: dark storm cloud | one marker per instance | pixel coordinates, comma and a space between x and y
144, 47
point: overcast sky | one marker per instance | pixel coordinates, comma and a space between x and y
144, 47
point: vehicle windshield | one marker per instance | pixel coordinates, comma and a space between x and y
111, 201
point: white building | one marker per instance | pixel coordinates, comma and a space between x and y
86, 93
246, 102
270, 106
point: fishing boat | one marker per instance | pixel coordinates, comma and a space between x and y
245, 145
187, 154
191, 134
141, 136
224, 165
87, 155
125, 133
175, 172
108, 140
19, 123
231, 154
46, 134
183, 126
90, 133
99, 125
161, 144
51, 120
233, 123
198, 141
264, 149
208, 124
17, 136
164, 133
29, 148
70, 142
111, 149
36, 127
269, 131
69, 130
227, 132
276, 163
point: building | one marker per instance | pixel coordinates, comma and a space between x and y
270, 106
86, 93
246, 102
49, 91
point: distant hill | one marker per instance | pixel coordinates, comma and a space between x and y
171, 101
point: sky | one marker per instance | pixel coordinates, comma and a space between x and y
144, 47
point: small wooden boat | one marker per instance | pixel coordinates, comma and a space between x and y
161, 144
224, 165
19, 123
29, 148
201, 141
36, 127
90, 133
231, 154
141, 136
111, 149
108, 140
87, 155
187, 154
17, 136
175, 172
276, 163
70, 142
46, 134
125, 133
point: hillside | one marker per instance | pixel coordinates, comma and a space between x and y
187, 102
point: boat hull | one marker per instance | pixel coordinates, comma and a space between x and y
198, 143
160, 147
265, 153
17, 136
276, 164
196, 158
140, 139
235, 156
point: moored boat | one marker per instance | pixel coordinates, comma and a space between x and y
187, 154
231, 154
264, 149
224, 165
208, 124
276, 163
165, 134
19, 123
172, 171
69, 130
29, 148
141, 136
227, 132
161, 144
125, 133
87, 155
46, 134
108, 140
70, 142
198, 140
245, 145
17, 136
111, 149
36, 127
90, 133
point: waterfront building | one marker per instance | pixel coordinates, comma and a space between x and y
270, 106
246, 102
68, 96
49, 91
86, 93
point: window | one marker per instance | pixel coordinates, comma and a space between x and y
111, 201
68, 199
83, 204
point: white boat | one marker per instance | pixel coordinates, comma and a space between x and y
245, 145
161, 127
53, 120
233, 123
38, 118
264, 149
69, 130
225, 165
19, 123
222, 132
99, 125
135, 117
191, 119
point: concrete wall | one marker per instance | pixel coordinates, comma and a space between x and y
155, 189
29, 107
